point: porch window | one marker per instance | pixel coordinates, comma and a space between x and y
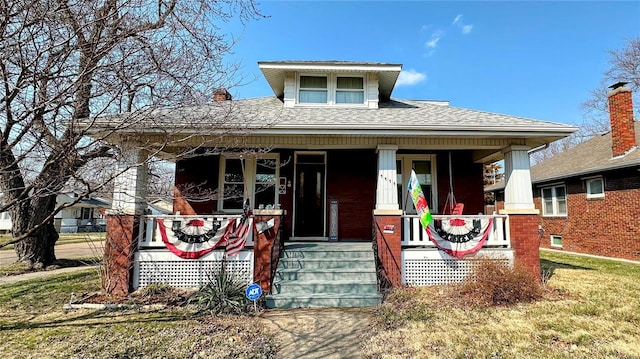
554, 201
233, 185
556, 241
265, 184
424, 166
350, 90
259, 175
595, 187
313, 89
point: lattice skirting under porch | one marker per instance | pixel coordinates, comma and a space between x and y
434, 267
161, 266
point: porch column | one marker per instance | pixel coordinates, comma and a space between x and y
123, 223
518, 204
387, 188
517, 191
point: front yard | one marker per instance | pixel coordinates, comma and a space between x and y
592, 310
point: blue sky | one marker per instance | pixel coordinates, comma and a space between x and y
535, 59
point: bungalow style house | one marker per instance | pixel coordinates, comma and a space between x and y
589, 195
322, 168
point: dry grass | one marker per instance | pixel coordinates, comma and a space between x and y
33, 325
591, 309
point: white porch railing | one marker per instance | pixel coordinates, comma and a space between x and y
147, 237
413, 235
154, 263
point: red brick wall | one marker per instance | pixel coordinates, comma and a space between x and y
468, 187
606, 227
623, 136
351, 179
389, 249
118, 254
524, 241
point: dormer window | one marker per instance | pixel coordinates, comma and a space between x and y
313, 89
331, 89
350, 90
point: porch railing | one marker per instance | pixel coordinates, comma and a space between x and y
148, 238
413, 235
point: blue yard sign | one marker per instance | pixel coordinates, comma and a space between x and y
253, 292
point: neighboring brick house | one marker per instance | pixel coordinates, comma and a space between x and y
589, 195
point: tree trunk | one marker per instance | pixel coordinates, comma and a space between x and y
37, 250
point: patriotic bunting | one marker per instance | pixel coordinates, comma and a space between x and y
192, 238
459, 237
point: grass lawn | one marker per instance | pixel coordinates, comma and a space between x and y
34, 325
591, 310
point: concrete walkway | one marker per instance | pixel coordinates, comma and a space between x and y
319, 333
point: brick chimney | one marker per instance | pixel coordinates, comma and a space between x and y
623, 136
221, 95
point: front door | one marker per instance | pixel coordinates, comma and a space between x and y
309, 201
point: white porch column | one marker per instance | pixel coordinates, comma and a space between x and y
387, 188
130, 187
518, 194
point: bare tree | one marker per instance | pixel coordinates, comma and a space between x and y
66, 65
624, 66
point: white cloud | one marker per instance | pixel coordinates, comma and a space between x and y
410, 77
435, 37
464, 28
433, 42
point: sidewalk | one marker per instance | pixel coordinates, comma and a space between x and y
63, 251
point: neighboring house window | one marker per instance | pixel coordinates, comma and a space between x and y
595, 187
259, 175
350, 90
554, 201
313, 89
556, 241
86, 213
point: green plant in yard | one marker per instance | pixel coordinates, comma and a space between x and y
224, 293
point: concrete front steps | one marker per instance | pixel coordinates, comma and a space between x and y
325, 274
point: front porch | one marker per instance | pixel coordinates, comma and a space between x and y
303, 274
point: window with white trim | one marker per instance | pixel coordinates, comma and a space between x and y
556, 241
313, 89
425, 168
554, 201
232, 189
248, 178
350, 90
331, 89
595, 187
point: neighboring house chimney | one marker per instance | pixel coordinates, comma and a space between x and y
221, 95
623, 136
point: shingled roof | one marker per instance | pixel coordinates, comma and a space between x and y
589, 157
267, 115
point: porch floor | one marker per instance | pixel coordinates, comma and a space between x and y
325, 274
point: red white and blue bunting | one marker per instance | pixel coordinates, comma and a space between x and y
459, 237
192, 238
